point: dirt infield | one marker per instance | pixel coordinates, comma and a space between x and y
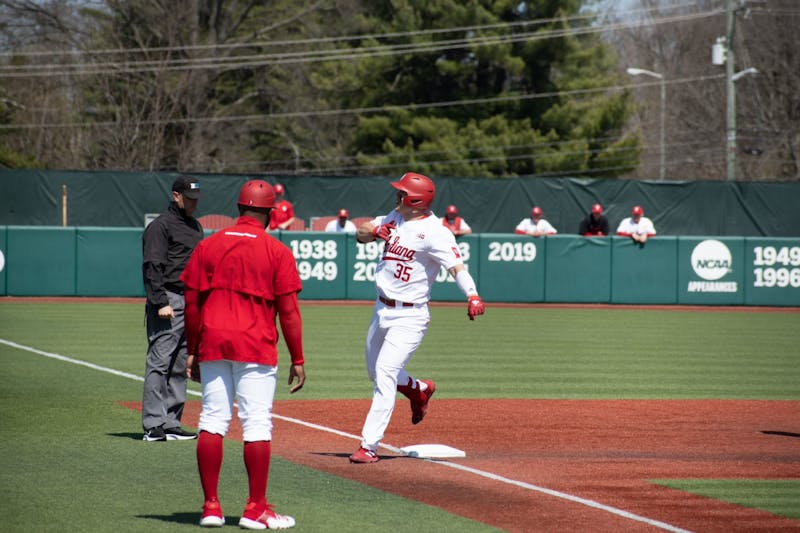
600, 453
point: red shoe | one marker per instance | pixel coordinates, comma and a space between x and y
419, 402
261, 516
212, 514
364, 455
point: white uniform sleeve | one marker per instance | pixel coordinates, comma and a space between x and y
465, 226
546, 227
646, 226
443, 248
524, 225
625, 226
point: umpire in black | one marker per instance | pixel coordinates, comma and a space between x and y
167, 243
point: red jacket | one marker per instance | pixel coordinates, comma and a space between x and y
455, 227
282, 212
233, 280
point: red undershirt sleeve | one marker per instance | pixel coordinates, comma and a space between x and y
291, 325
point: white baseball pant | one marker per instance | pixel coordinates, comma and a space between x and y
254, 387
393, 337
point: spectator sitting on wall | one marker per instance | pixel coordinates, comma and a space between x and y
536, 226
341, 224
457, 225
283, 214
637, 226
595, 223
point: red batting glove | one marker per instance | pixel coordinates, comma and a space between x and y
384, 231
475, 307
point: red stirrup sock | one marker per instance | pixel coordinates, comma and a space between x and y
257, 455
411, 389
209, 462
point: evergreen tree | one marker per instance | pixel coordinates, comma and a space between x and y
518, 80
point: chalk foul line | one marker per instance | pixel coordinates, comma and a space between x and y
488, 475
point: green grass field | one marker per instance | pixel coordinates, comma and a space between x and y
73, 460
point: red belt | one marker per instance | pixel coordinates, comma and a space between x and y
394, 303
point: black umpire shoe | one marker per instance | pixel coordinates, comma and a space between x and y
178, 433
154, 435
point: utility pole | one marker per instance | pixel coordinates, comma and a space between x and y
730, 69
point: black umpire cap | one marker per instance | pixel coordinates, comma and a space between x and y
187, 186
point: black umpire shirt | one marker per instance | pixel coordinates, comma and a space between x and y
167, 243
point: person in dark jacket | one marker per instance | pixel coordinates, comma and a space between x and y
595, 224
167, 244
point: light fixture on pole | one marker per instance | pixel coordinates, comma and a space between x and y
722, 53
750, 71
660, 77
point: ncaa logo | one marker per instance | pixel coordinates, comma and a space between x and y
711, 260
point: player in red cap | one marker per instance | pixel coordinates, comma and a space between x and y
595, 224
637, 226
457, 225
536, 226
283, 214
238, 281
416, 248
341, 224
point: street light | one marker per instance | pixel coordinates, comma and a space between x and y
746, 72
660, 77
730, 116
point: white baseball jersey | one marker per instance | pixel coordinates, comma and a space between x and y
412, 258
334, 227
459, 224
543, 226
629, 227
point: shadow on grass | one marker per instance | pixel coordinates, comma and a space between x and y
134, 436
182, 518
782, 433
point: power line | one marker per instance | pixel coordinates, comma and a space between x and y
261, 60
347, 38
355, 111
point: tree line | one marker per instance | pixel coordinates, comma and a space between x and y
486, 88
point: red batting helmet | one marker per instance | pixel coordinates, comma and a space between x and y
452, 210
419, 190
597, 208
257, 193
637, 211
343, 213
279, 189
536, 211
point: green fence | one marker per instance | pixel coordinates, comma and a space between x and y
123, 199
90, 261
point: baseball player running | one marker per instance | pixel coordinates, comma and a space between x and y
417, 246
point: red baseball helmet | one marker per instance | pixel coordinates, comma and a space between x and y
344, 213
637, 211
279, 189
257, 193
452, 210
597, 208
419, 190
536, 211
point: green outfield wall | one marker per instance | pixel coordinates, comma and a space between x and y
123, 199
91, 261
